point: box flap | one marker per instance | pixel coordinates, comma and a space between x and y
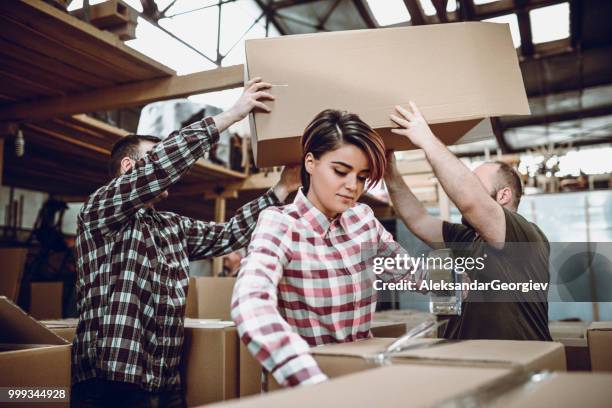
20, 328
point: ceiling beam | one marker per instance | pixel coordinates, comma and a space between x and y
503, 7
440, 6
524, 23
364, 12
270, 16
277, 5
557, 117
134, 94
417, 16
498, 131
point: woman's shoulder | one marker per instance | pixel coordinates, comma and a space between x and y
283, 214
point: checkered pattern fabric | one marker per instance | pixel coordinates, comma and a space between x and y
308, 281
133, 265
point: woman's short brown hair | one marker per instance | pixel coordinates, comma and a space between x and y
330, 129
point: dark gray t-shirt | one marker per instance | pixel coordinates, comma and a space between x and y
504, 320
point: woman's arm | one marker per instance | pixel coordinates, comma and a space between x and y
269, 338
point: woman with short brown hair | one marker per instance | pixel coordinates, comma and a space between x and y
305, 280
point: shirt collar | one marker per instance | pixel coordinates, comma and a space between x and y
312, 215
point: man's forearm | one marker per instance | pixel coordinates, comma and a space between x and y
460, 184
408, 207
225, 119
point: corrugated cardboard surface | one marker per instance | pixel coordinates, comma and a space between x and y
531, 355
573, 337
65, 328
250, 373
456, 73
46, 300
36, 358
210, 298
210, 362
600, 345
392, 387
562, 390
11, 271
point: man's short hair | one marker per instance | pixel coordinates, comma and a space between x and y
127, 147
507, 176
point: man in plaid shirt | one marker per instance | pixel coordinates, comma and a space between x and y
133, 263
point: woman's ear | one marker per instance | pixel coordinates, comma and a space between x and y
309, 163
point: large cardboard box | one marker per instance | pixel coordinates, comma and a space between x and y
559, 390
599, 337
12, 261
336, 360
251, 370
46, 300
428, 386
210, 361
210, 298
573, 337
457, 74
30, 354
393, 386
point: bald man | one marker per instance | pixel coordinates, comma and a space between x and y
488, 199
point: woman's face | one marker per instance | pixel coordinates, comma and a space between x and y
337, 178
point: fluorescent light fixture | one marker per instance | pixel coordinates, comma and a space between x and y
388, 12
514, 28
550, 23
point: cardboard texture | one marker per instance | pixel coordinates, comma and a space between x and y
391, 387
336, 360
599, 336
46, 300
573, 337
13, 262
210, 298
250, 369
31, 355
250, 372
562, 390
456, 73
210, 362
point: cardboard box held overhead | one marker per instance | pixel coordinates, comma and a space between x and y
30, 354
456, 73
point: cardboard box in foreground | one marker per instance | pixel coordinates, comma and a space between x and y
30, 354
426, 386
456, 73
336, 360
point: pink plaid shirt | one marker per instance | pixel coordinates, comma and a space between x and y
306, 281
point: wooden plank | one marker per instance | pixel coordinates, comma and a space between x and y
27, 83
38, 74
134, 94
81, 35
83, 79
31, 39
